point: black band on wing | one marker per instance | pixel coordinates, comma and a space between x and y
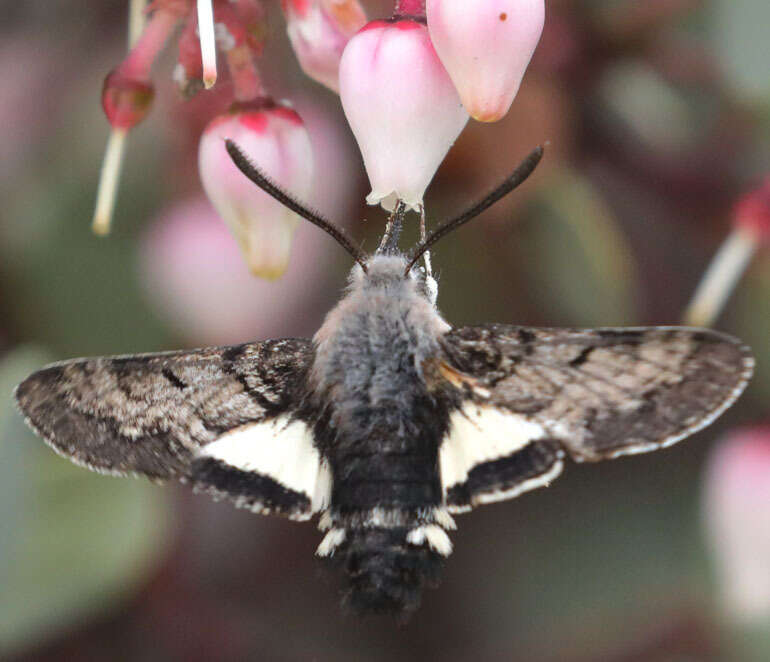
504, 475
248, 489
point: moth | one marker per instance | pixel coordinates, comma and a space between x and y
389, 421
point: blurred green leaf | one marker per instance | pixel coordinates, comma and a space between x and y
72, 543
740, 39
659, 114
752, 305
579, 257
750, 642
56, 297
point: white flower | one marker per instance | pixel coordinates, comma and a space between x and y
318, 31
275, 139
402, 108
486, 46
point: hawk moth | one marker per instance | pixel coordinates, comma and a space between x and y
388, 421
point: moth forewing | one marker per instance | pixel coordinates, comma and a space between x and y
151, 414
606, 392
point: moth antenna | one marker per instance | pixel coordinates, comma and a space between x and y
271, 188
521, 173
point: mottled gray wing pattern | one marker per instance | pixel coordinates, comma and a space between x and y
149, 413
606, 392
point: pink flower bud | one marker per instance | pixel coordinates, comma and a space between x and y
125, 100
486, 46
752, 213
318, 31
128, 92
737, 509
402, 108
275, 139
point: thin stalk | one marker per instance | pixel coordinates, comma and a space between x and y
721, 277
208, 42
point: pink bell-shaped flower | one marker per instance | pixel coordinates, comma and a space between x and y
402, 108
318, 31
737, 513
486, 46
275, 139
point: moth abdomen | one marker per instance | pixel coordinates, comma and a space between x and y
387, 568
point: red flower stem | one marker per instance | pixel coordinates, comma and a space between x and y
411, 8
244, 72
139, 61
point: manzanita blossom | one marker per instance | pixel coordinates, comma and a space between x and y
737, 511
128, 90
485, 46
402, 108
318, 31
275, 139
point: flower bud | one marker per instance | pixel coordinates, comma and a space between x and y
275, 139
402, 108
737, 496
127, 96
752, 213
128, 92
126, 100
318, 31
486, 46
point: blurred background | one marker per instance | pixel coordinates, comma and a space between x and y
658, 117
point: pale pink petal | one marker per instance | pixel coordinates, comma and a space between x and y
401, 106
275, 139
318, 31
737, 511
486, 46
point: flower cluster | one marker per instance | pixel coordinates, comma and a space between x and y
271, 133
237, 27
407, 84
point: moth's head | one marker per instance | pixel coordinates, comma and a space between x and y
389, 270
389, 245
